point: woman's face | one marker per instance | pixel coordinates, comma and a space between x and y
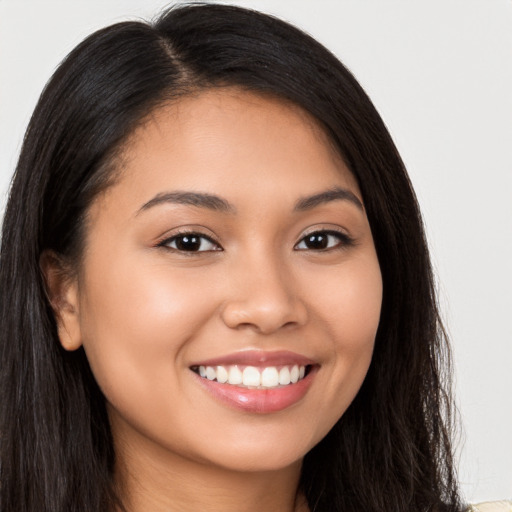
230, 292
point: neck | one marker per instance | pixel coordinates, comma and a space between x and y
164, 482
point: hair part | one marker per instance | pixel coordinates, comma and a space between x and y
391, 449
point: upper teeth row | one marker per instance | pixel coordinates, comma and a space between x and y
269, 377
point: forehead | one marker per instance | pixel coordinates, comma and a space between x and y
232, 140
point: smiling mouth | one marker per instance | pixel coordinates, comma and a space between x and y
252, 377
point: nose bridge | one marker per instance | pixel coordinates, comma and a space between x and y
263, 293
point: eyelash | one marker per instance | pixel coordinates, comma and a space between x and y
192, 234
344, 241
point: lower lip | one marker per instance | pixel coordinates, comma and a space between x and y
262, 401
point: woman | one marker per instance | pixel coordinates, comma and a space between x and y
215, 288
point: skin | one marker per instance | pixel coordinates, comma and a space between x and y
145, 312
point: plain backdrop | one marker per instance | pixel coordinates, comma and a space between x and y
440, 73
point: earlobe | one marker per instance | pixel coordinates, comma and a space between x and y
62, 291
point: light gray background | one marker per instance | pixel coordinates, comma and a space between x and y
440, 73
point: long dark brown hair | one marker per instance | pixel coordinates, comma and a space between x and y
391, 449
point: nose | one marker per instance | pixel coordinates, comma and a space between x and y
264, 298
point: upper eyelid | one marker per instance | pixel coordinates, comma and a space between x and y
324, 229
183, 231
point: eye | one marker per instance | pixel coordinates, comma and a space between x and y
190, 242
324, 240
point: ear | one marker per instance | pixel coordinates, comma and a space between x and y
62, 292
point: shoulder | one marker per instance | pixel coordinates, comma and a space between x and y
492, 506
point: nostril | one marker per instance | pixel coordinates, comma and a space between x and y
264, 315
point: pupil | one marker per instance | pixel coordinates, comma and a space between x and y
316, 241
188, 243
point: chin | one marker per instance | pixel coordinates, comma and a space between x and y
260, 454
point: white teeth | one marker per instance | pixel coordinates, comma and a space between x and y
294, 374
222, 374
210, 373
270, 377
251, 376
284, 376
263, 378
235, 375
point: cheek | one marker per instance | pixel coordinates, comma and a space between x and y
346, 306
135, 321
349, 303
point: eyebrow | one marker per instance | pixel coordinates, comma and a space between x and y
199, 199
333, 194
216, 203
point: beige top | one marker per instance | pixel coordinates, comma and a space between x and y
492, 506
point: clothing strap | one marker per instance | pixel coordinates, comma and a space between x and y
492, 506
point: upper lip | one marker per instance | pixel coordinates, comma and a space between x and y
258, 358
